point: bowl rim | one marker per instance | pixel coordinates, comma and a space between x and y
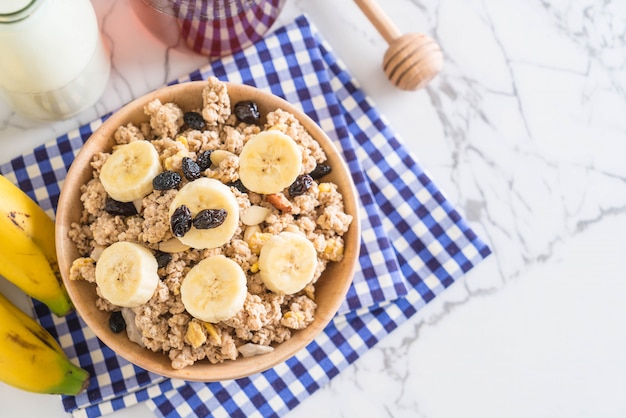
203, 370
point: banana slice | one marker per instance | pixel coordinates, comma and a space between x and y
287, 262
207, 193
127, 174
126, 274
269, 162
214, 290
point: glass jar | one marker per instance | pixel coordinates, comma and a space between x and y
54, 63
213, 28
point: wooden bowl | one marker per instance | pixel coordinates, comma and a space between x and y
331, 287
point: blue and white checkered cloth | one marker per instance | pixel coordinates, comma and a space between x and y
414, 243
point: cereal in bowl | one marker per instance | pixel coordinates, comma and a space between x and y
205, 231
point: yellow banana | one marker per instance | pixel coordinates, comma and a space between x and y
27, 249
31, 359
29, 323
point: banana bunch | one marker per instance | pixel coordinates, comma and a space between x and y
31, 359
27, 249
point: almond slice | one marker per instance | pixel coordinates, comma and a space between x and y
173, 245
254, 215
250, 349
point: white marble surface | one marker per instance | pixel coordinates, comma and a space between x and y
525, 131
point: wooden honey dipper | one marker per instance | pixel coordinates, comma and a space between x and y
411, 60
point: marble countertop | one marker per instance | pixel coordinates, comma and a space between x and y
525, 132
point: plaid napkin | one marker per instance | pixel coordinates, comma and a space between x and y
414, 243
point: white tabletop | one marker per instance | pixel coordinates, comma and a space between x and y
525, 132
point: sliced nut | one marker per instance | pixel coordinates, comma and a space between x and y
250, 231
132, 331
220, 155
254, 215
138, 203
280, 202
95, 253
250, 349
173, 245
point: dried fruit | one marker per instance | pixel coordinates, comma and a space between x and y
301, 185
116, 322
204, 160
237, 184
209, 218
320, 171
114, 207
181, 221
191, 169
247, 111
194, 120
166, 180
162, 258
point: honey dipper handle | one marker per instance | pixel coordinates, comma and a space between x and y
379, 19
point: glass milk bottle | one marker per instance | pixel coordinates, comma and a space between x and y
53, 63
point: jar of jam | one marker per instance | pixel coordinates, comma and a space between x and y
213, 28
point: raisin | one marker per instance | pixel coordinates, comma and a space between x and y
209, 218
116, 322
191, 169
162, 259
166, 180
237, 184
181, 221
114, 207
248, 112
194, 120
320, 171
204, 160
301, 185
